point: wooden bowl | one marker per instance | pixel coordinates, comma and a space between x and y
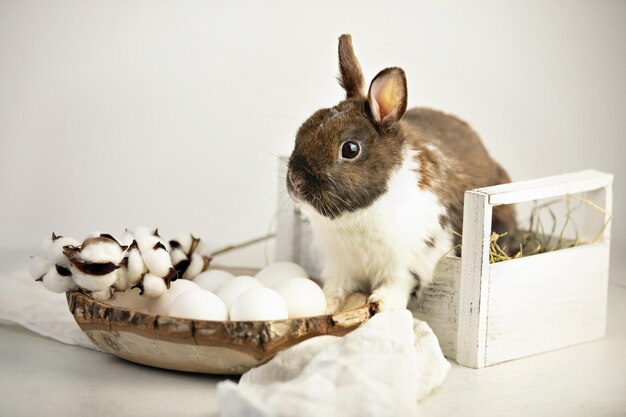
214, 347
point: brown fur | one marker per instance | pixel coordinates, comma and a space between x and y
451, 156
351, 75
459, 163
335, 187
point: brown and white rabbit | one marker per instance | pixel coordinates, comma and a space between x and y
383, 187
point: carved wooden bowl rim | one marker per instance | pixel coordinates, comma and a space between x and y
261, 339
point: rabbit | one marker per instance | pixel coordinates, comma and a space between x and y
383, 187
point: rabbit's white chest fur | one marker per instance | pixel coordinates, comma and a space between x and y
383, 248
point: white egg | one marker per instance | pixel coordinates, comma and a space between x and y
162, 304
234, 287
130, 299
199, 305
304, 298
259, 304
213, 279
279, 272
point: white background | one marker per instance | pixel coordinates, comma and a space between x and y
116, 114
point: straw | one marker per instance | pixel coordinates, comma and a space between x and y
536, 235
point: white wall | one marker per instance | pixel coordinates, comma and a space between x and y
123, 113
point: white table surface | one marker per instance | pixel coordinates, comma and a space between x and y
39, 376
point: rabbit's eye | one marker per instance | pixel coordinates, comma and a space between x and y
350, 149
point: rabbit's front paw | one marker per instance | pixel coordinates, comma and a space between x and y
388, 298
333, 304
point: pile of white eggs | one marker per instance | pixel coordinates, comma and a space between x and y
279, 291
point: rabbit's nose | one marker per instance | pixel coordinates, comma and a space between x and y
296, 184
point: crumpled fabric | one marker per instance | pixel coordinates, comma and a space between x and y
383, 368
27, 303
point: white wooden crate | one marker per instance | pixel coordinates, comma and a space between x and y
486, 313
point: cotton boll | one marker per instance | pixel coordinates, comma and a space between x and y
92, 276
55, 252
154, 254
149, 242
38, 266
202, 248
161, 305
303, 297
157, 260
136, 268
130, 299
275, 274
199, 305
121, 281
127, 238
259, 304
235, 287
91, 235
102, 250
144, 231
177, 255
92, 282
196, 265
187, 242
104, 294
153, 285
45, 245
57, 280
213, 279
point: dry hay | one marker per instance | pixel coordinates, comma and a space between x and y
539, 239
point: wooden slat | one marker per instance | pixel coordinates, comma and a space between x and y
474, 284
547, 301
548, 187
439, 304
287, 221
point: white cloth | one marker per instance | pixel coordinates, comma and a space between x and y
383, 368
28, 303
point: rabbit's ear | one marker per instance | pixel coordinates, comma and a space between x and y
351, 77
388, 96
